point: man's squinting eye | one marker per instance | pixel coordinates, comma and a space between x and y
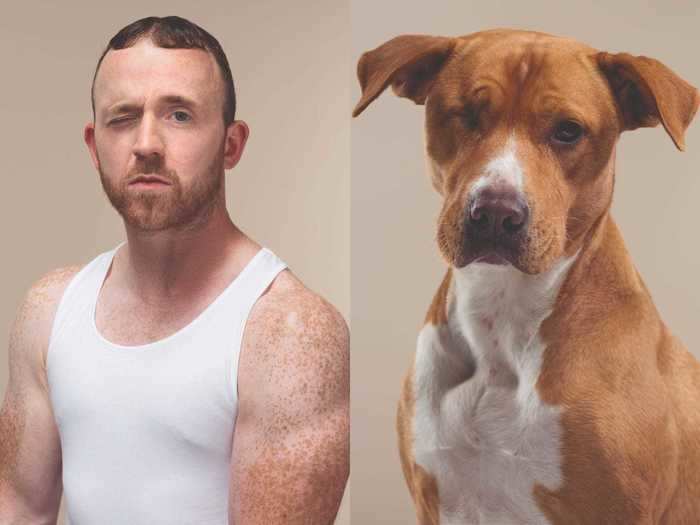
119, 120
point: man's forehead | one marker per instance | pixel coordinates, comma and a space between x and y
136, 71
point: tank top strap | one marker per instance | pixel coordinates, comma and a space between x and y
75, 303
253, 280
248, 287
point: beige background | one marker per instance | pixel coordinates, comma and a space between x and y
290, 191
395, 265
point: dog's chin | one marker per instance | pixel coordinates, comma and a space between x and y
491, 257
521, 261
530, 255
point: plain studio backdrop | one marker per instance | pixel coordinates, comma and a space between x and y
395, 264
291, 190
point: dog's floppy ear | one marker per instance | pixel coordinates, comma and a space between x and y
647, 92
408, 62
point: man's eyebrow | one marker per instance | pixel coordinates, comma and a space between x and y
179, 99
165, 99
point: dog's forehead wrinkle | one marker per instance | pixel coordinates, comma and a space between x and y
518, 59
523, 70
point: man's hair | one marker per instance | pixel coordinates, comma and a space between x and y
174, 32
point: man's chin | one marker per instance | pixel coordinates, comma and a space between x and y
147, 220
165, 218
146, 226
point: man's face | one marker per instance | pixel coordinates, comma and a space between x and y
158, 114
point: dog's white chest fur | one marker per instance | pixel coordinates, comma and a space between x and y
480, 427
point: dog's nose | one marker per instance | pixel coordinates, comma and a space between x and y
498, 213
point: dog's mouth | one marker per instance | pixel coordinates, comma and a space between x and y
497, 255
496, 250
492, 258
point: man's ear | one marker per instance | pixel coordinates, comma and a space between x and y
89, 138
237, 134
408, 62
647, 92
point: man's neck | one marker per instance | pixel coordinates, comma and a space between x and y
174, 265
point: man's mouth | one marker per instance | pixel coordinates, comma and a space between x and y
149, 181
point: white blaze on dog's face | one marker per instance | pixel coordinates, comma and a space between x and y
520, 134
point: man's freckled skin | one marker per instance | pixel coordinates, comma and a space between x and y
10, 434
28, 371
295, 356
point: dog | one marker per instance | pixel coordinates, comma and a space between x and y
545, 387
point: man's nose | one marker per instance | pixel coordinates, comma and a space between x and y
148, 142
497, 211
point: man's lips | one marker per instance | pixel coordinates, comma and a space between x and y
148, 180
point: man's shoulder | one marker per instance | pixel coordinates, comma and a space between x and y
44, 294
32, 327
289, 306
294, 331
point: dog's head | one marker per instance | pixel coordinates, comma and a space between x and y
521, 129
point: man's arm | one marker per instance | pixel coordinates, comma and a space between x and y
30, 451
290, 458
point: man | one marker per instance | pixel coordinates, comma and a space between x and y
184, 376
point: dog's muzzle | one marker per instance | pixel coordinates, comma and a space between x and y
495, 227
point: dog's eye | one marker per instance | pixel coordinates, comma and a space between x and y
470, 117
567, 132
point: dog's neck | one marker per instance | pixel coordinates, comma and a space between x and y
500, 309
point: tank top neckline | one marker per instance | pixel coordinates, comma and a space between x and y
102, 275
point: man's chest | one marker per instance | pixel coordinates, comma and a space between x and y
129, 321
182, 392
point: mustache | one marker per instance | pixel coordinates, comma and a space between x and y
150, 165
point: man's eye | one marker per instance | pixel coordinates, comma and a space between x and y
181, 116
119, 120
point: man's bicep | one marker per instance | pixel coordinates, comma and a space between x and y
30, 453
30, 456
290, 457
290, 477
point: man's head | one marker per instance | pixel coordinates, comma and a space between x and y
520, 134
163, 109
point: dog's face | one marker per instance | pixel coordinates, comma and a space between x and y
521, 129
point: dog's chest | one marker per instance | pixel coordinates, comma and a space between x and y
480, 427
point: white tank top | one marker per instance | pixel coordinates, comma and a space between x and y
146, 431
